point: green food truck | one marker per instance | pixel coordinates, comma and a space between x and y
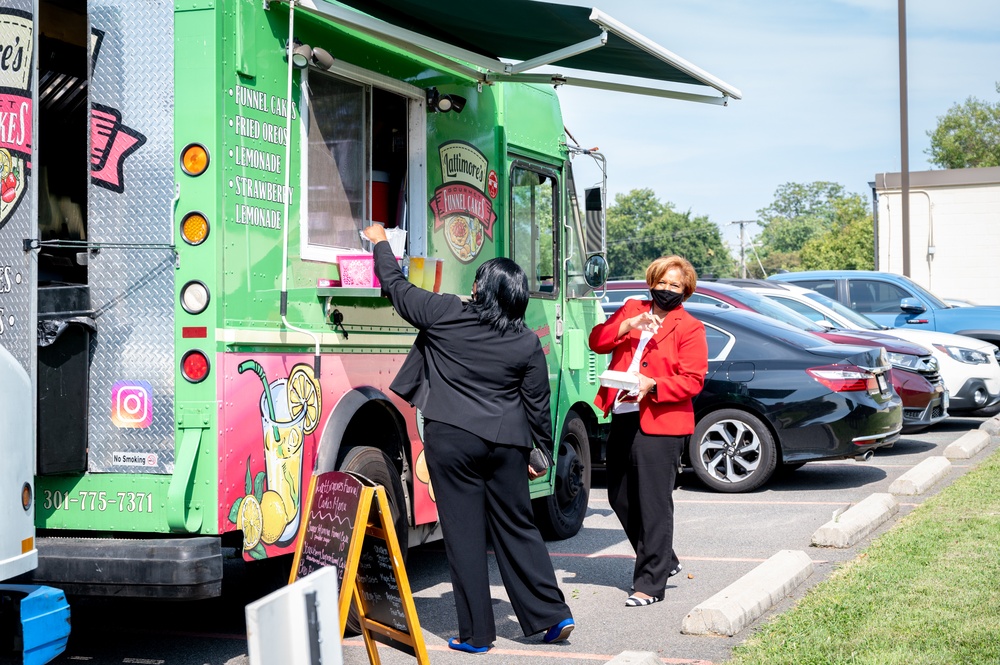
183, 278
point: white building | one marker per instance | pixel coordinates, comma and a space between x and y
954, 231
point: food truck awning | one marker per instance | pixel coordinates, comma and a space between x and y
507, 39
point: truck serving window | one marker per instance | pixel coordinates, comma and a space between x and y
534, 209
360, 160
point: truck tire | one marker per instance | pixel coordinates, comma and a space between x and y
560, 515
376, 466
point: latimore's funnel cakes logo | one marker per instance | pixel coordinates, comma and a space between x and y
460, 204
16, 40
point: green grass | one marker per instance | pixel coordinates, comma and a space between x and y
925, 592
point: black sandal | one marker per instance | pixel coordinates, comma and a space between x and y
636, 601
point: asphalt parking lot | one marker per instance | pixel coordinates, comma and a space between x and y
719, 539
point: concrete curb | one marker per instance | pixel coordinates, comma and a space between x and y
856, 522
918, 479
735, 607
967, 445
991, 426
634, 658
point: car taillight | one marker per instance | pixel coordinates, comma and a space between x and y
844, 378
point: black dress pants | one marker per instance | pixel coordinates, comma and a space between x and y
482, 491
642, 470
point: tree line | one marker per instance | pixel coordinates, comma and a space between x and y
808, 226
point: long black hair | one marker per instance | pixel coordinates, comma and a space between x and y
501, 296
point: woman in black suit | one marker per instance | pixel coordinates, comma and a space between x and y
479, 378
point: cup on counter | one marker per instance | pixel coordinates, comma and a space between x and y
416, 274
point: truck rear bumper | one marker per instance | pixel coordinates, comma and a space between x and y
171, 568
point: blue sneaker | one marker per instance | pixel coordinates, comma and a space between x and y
455, 644
560, 631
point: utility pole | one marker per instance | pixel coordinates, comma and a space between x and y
743, 262
904, 150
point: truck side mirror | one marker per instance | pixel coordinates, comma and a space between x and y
912, 306
595, 271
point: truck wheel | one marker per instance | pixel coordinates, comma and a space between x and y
560, 515
376, 466
732, 451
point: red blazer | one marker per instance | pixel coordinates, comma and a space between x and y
676, 357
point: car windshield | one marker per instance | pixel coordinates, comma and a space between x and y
858, 319
768, 307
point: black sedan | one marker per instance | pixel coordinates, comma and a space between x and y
778, 395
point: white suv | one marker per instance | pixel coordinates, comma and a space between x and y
968, 366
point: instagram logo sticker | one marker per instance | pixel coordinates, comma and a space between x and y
132, 404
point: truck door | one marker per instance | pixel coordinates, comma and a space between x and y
534, 209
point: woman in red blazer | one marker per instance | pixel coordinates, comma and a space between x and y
666, 348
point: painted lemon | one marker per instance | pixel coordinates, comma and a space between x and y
5, 163
250, 520
423, 475
274, 518
304, 394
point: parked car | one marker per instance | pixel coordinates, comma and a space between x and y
898, 302
776, 396
914, 374
969, 367
618, 291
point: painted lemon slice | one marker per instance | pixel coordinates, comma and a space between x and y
304, 394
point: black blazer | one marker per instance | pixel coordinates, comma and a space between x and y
462, 372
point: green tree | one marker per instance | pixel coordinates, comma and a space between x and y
807, 215
968, 135
642, 228
851, 248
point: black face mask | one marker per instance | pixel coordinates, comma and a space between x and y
666, 300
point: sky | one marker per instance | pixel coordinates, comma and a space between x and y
820, 84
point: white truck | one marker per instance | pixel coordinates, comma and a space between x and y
34, 620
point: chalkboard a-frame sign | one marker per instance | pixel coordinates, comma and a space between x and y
349, 525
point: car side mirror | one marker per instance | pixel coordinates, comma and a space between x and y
595, 271
826, 324
912, 306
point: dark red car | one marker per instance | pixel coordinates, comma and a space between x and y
921, 389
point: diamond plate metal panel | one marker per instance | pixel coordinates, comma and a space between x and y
17, 221
131, 192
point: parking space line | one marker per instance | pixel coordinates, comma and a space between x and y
719, 559
536, 656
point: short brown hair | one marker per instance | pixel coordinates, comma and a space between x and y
659, 267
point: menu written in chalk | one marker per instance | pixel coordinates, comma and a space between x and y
377, 585
336, 522
333, 510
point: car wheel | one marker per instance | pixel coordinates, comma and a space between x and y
376, 466
732, 451
985, 412
560, 515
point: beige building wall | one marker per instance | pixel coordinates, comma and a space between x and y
954, 231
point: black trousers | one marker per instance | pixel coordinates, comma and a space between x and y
482, 491
642, 470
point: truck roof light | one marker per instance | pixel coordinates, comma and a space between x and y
194, 228
194, 159
194, 366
